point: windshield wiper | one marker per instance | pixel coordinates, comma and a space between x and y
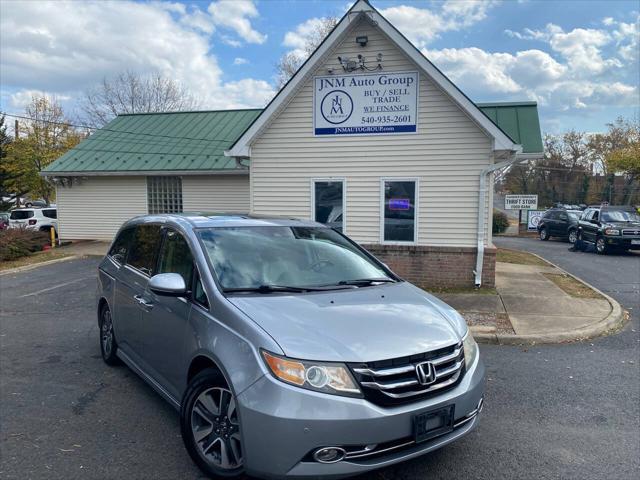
271, 289
364, 282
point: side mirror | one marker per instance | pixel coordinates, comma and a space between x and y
168, 285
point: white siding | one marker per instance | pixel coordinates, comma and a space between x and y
95, 207
447, 154
222, 193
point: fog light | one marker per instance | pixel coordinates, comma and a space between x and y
329, 454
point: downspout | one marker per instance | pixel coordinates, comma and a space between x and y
481, 216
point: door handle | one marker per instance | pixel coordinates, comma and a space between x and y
142, 302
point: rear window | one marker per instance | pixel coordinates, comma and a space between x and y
51, 213
21, 214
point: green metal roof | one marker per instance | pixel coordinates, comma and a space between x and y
196, 141
519, 120
172, 141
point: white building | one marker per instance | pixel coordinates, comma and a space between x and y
368, 136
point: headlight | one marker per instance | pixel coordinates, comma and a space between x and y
612, 231
332, 378
470, 349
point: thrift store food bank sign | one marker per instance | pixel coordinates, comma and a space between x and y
380, 103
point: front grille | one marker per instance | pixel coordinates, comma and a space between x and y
631, 233
390, 382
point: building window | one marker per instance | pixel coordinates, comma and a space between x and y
328, 202
164, 194
399, 212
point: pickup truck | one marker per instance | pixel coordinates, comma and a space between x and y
609, 229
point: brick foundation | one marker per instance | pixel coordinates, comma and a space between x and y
430, 266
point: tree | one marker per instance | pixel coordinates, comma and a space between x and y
129, 92
625, 158
47, 135
5, 176
290, 62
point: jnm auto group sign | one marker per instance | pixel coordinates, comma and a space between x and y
380, 103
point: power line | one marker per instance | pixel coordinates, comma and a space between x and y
104, 129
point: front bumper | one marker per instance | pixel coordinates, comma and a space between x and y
623, 242
282, 424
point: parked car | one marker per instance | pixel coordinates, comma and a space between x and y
34, 219
4, 220
288, 350
559, 222
35, 203
610, 228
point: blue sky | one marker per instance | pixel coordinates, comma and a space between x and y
578, 59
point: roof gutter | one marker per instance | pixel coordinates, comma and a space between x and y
516, 157
244, 170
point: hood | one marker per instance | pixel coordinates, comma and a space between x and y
354, 325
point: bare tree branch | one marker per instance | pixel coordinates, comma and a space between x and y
130, 92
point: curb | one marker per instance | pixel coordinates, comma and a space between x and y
39, 264
614, 321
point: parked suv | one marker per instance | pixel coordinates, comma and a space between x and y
610, 228
34, 219
559, 222
288, 350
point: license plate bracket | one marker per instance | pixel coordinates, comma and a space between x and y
432, 424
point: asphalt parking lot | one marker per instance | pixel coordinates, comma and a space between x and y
565, 411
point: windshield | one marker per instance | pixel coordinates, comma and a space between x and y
620, 216
254, 257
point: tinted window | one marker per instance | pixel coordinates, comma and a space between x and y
120, 247
50, 213
328, 206
21, 214
146, 242
176, 257
399, 211
199, 294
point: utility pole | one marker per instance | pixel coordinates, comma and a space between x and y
16, 129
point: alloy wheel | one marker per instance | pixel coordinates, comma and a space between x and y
573, 236
543, 234
600, 245
216, 428
107, 332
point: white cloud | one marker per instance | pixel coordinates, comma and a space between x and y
240, 61
236, 15
67, 47
297, 39
423, 25
19, 100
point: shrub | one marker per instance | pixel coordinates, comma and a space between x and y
19, 242
500, 221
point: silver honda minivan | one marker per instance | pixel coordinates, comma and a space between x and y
289, 351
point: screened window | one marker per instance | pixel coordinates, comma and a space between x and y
142, 254
399, 205
328, 202
164, 194
176, 257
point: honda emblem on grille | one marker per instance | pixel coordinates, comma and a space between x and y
426, 373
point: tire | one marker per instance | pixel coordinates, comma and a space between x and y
108, 344
573, 237
544, 235
601, 246
210, 426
